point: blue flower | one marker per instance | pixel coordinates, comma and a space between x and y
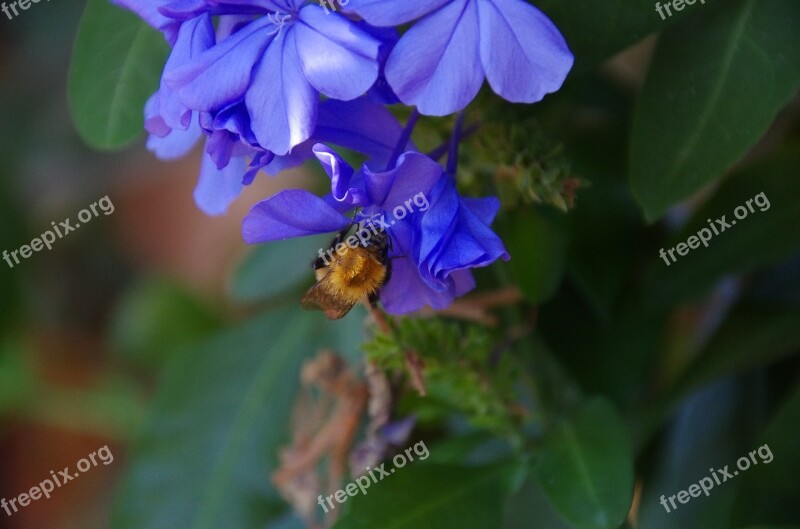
434, 246
278, 65
251, 87
440, 63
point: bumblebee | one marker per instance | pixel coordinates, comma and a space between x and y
349, 273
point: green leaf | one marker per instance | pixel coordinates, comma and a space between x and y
761, 238
604, 230
752, 336
714, 427
596, 29
714, 87
529, 508
537, 243
769, 491
274, 268
432, 497
116, 65
585, 467
205, 455
607, 355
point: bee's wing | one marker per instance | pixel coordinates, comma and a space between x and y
322, 297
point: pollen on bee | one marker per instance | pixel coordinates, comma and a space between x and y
358, 272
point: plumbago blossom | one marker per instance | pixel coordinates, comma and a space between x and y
440, 63
268, 84
432, 251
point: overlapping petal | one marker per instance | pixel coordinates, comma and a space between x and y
176, 143
291, 213
282, 104
440, 63
165, 111
221, 75
394, 12
414, 173
217, 188
436, 66
339, 59
523, 54
347, 189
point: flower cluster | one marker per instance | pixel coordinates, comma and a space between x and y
269, 84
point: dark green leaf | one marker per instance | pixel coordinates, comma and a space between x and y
715, 85
529, 508
596, 29
116, 65
753, 335
760, 238
537, 244
606, 355
431, 497
714, 427
585, 466
204, 458
769, 491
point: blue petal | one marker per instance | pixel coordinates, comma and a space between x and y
176, 144
437, 65
407, 292
186, 9
415, 173
339, 59
194, 37
223, 145
359, 125
217, 188
296, 157
463, 281
394, 13
345, 190
281, 102
221, 75
153, 122
290, 213
233, 118
523, 54
456, 236
483, 208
